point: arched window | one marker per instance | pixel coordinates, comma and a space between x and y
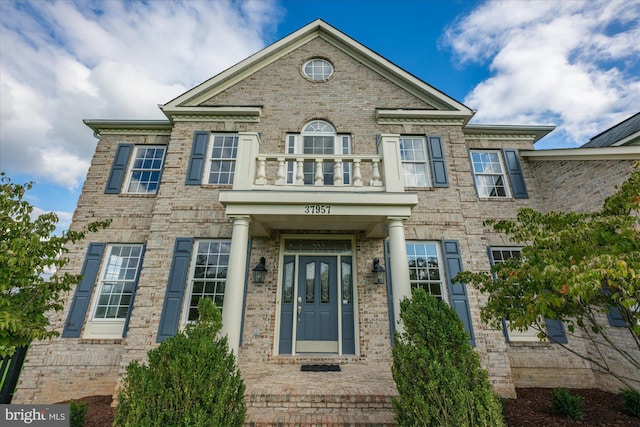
319, 137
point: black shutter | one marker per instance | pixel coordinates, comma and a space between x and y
516, 177
555, 330
198, 158
133, 294
457, 291
82, 297
615, 317
438, 164
118, 169
170, 317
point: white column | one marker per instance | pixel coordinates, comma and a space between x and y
234, 289
399, 266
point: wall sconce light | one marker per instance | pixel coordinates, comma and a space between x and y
378, 272
260, 271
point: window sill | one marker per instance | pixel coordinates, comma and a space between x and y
140, 195
216, 186
100, 341
496, 199
419, 188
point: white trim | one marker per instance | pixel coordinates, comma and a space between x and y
628, 139
401, 116
627, 152
441, 270
108, 327
426, 162
503, 173
132, 159
504, 132
186, 304
349, 46
354, 291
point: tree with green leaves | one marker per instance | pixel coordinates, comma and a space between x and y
29, 248
575, 267
191, 380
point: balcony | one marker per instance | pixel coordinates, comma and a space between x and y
318, 192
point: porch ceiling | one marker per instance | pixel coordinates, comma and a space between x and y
318, 211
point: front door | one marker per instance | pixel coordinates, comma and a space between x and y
317, 305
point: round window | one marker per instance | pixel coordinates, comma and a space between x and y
318, 69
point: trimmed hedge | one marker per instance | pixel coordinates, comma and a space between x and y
191, 380
437, 372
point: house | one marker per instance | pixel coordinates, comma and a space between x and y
344, 182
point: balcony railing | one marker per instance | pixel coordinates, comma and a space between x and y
263, 171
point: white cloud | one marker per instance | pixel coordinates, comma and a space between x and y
64, 218
66, 61
572, 63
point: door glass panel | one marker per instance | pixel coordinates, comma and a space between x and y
309, 282
324, 283
287, 286
346, 283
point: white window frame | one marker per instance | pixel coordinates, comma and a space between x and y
502, 173
442, 281
406, 162
131, 168
192, 279
110, 327
341, 146
515, 336
318, 64
211, 159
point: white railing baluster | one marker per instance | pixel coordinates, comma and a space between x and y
357, 175
299, 171
375, 177
261, 174
319, 178
281, 175
337, 172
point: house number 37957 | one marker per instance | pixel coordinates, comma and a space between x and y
317, 209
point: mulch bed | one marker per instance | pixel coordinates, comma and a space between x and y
532, 408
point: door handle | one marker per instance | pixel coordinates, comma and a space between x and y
299, 312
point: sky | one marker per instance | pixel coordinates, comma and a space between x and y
568, 63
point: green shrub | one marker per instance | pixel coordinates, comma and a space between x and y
77, 413
631, 399
191, 380
437, 373
568, 404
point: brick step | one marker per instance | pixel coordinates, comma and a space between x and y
319, 410
318, 417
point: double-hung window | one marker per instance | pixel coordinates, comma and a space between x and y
318, 138
222, 158
426, 268
146, 169
136, 169
489, 175
554, 328
208, 276
413, 153
115, 290
213, 158
498, 174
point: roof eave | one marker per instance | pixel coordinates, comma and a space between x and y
597, 153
